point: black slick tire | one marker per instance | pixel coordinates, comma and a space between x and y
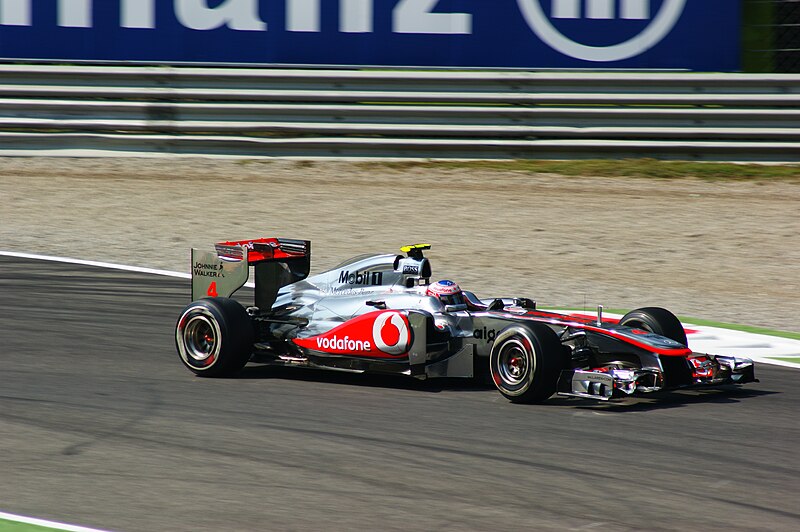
656, 320
525, 362
214, 337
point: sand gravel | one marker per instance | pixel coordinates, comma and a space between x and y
727, 251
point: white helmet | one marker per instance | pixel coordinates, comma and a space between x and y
448, 292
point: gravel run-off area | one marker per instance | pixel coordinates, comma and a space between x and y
720, 250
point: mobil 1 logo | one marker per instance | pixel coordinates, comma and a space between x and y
361, 278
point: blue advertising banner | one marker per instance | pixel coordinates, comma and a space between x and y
653, 34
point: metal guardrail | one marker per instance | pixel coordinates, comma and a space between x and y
279, 112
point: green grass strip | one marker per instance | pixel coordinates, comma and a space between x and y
643, 168
12, 526
794, 360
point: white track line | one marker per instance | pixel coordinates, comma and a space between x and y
47, 524
773, 362
98, 264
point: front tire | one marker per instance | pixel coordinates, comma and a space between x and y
525, 362
214, 337
656, 320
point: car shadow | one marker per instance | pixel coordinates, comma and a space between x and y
370, 380
653, 401
667, 399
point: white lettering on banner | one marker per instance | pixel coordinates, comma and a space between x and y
415, 16
303, 15
15, 12
236, 14
659, 27
635, 9
194, 14
566, 9
355, 16
138, 14
75, 14
71, 13
600, 9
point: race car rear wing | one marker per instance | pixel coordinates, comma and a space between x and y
265, 249
277, 262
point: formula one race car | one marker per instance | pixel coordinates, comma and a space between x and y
381, 314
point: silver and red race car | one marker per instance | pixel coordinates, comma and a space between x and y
382, 314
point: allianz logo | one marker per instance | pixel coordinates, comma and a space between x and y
661, 19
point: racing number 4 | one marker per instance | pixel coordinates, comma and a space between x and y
212, 289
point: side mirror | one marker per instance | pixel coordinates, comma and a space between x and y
497, 304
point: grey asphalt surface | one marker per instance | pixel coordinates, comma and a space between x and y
101, 425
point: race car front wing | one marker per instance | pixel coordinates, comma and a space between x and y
702, 371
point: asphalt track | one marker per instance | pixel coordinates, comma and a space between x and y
101, 425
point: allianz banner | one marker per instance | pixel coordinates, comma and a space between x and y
653, 34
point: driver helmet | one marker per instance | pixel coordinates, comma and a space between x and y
448, 292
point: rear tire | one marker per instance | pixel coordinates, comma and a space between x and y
214, 337
656, 320
525, 362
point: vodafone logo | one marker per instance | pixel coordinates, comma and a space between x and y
380, 334
660, 26
390, 333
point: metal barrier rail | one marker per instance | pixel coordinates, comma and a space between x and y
281, 112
